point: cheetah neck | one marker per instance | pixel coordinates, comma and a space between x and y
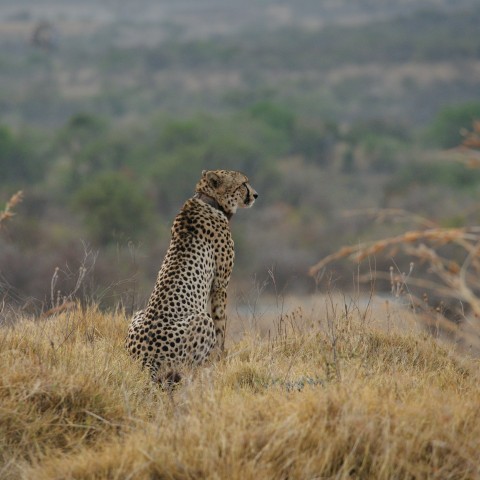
212, 202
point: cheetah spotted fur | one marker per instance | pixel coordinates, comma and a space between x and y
176, 328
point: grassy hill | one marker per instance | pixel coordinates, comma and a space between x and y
327, 396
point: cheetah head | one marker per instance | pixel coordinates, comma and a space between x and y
229, 189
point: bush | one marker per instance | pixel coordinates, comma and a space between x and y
113, 207
274, 115
448, 127
316, 143
18, 162
427, 173
382, 152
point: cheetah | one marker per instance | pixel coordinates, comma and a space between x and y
176, 329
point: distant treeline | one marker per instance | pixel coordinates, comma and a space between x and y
107, 136
427, 35
116, 187
103, 73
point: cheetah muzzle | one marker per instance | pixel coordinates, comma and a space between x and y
176, 328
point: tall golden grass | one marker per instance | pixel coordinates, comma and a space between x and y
330, 396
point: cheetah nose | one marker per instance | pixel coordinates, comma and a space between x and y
255, 196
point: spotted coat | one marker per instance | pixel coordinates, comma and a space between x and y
176, 327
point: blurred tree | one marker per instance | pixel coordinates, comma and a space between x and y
81, 128
422, 172
173, 177
449, 126
114, 208
74, 140
184, 148
348, 160
18, 163
316, 143
382, 127
381, 152
277, 116
181, 133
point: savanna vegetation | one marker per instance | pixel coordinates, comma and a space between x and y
328, 395
106, 131
106, 125
346, 116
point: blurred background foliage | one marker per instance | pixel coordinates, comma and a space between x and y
107, 121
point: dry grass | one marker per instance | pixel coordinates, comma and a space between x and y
326, 398
452, 257
7, 212
453, 279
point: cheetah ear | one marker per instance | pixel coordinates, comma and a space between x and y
213, 179
204, 172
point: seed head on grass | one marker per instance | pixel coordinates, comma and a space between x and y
7, 212
454, 271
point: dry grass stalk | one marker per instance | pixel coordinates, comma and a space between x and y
438, 236
455, 278
461, 281
7, 212
68, 305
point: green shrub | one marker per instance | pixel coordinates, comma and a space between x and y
275, 115
113, 207
19, 163
428, 173
446, 130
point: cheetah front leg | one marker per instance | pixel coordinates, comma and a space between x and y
219, 316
